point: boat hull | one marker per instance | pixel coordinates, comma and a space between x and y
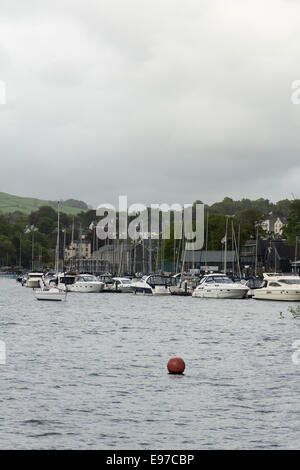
157, 290
50, 295
267, 294
220, 293
87, 287
142, 290
152, 285
161, 290
124, 289
176, 290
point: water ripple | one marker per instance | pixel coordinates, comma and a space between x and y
91, 373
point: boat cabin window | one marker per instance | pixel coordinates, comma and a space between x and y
219, 279
161, 281
67, 280
223, 280
106, 279
290, 281
86, 278
274, 284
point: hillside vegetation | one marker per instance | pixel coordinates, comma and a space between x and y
16, 247
10, 203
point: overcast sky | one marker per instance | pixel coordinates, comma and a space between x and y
161, 100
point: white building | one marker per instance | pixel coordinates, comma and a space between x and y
79, 250
274, 225
279, 224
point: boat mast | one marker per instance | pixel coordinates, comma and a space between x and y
72, 239
150, 253
232, 245
57, 241
225, 253
80, 248
206, 238
178, 255
256, 249
183, 263
236, 252
120, 251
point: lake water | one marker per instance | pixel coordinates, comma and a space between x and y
91, 373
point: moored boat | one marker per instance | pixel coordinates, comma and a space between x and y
52, 294
279, 287
85, 283
219, 286
153, 284
34, 279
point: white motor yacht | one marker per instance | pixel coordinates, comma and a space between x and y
219, 286
33, 280
85, 283
153, 284
279, 287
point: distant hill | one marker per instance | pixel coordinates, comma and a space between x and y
11, 203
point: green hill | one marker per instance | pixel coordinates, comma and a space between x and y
11, 203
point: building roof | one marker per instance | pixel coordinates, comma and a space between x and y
210, 256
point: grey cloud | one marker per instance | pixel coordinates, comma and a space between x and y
164, 101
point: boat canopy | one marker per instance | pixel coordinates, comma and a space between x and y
220, 279
86, 278
157, 280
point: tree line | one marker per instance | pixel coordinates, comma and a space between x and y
245, 216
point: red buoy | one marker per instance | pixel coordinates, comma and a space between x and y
176, 365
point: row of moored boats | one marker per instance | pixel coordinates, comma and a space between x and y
273, 286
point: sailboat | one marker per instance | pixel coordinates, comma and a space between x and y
52, 293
